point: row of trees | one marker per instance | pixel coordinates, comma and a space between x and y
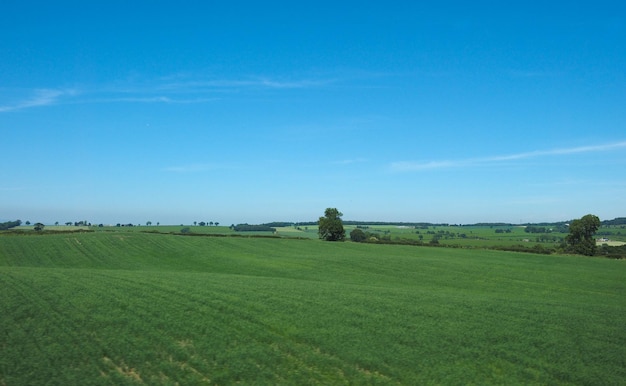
252, 228
10, 224
580, 239
202, 223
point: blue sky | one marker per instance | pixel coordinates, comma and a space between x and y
175, 112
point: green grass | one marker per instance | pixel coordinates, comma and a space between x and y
219, 230
466, 236
137, 308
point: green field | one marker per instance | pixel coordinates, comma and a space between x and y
465, 236
126, 307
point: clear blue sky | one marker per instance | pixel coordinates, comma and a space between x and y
235, 111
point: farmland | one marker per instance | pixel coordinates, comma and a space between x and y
128, 307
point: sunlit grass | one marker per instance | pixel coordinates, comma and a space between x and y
128, 308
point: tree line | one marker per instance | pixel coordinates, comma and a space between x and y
580, 239
10, 224
252, 228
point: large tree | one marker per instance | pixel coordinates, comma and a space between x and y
331, 226
580, 239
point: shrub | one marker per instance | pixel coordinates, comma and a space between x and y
357, 235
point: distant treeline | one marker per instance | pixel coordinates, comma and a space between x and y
402, 224
556, 224
23, 232
277, 224
253, 228
379, 223
615, 221
10, 224
562, 228
490, 224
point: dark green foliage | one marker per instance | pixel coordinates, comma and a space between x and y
612, 252
39, 227
537, 229
580, 239
10, 224
253, 228
278, 224
330, 226
357, 235
615, 221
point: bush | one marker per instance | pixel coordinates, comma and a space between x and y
358, 235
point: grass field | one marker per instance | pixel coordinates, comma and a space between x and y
129, 307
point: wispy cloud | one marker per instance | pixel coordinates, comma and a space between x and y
40, 97
150, 99
563, 151
202, 85
410, 166
182, 89
302, 83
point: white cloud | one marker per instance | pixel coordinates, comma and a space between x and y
195, 85
171, 90
409, 166
150, 99
41, 97
565, 151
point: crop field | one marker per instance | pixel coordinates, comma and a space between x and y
128, 308
468, 236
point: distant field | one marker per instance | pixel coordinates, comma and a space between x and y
611, 243
453, 235
57, 228
128, 307
168, 229
487, 236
